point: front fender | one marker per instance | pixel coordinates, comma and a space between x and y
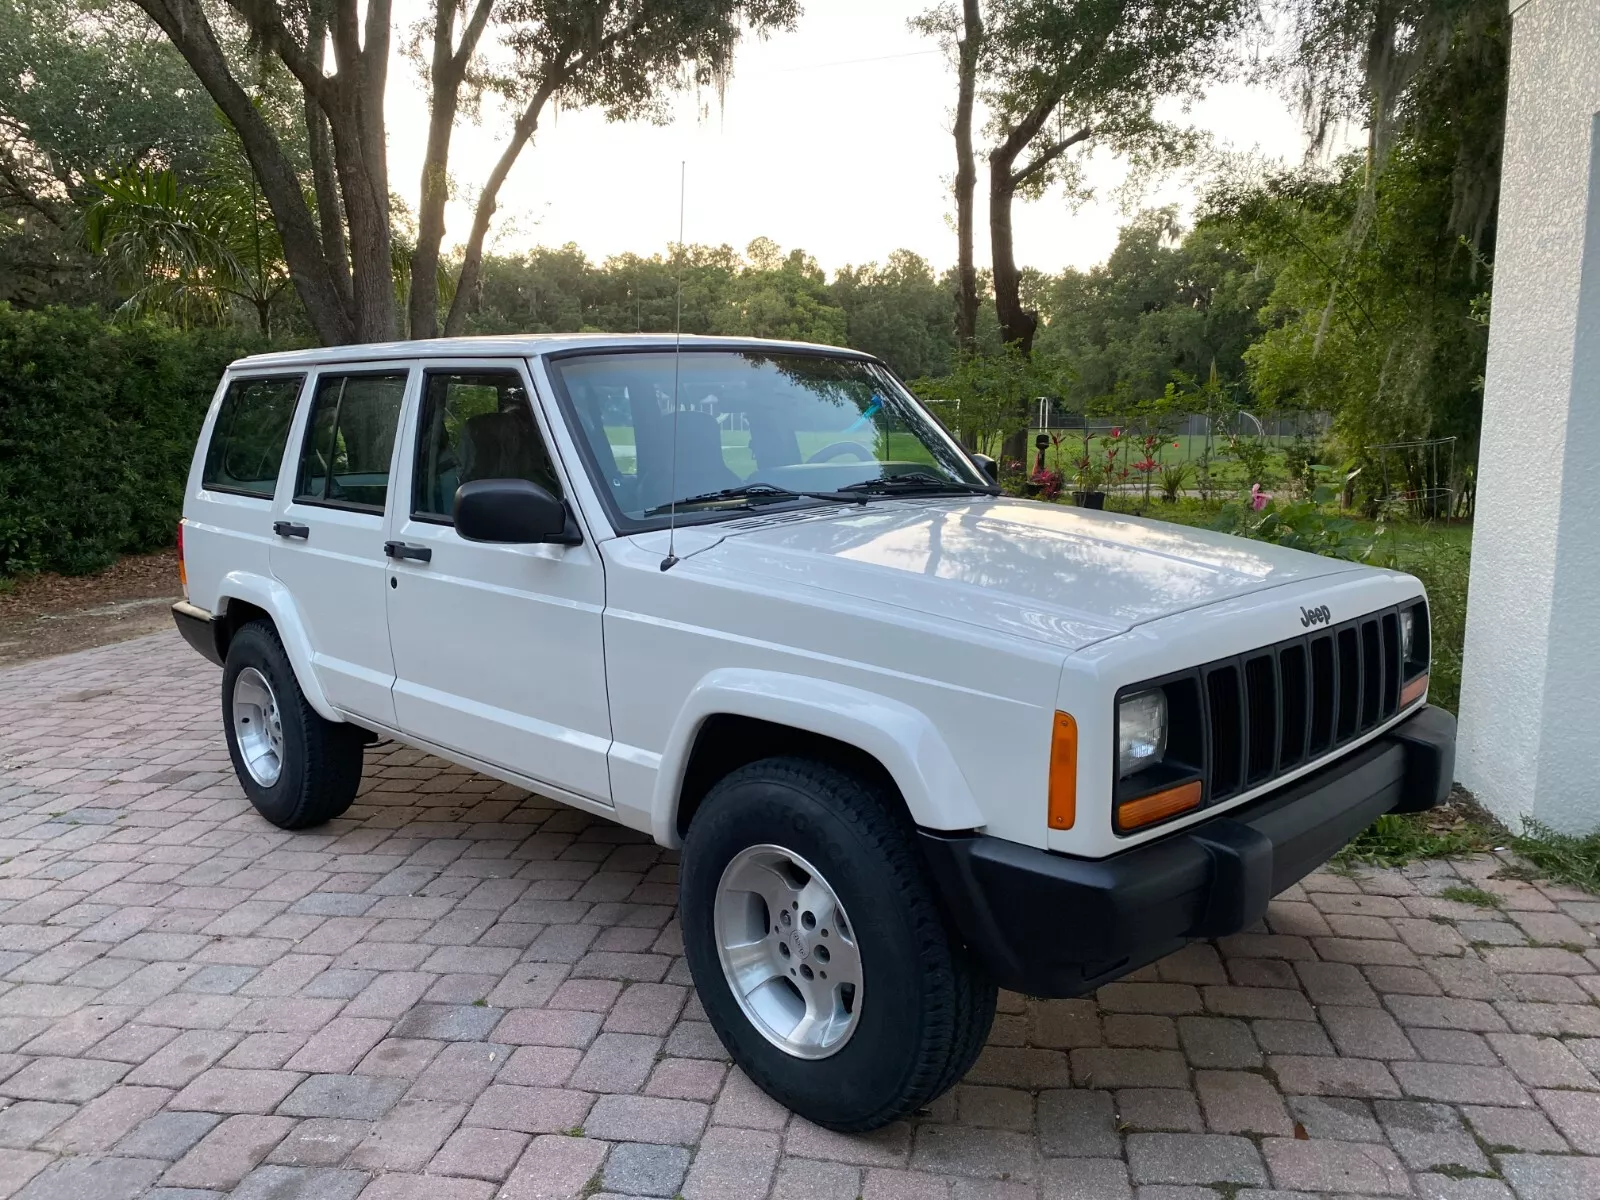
900, 737
275, 599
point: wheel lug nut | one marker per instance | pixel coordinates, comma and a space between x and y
805, 971
822, 954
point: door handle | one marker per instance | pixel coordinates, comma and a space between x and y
288, 529
401, 550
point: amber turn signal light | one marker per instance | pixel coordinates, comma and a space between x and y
1414, 690
1147, 810
1063, 772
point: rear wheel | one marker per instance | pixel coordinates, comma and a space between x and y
818, 950
298, 768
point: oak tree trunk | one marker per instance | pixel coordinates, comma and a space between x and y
969, 48
465, 299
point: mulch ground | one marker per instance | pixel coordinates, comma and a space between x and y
47, 614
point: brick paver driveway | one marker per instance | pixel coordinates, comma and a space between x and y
461, 991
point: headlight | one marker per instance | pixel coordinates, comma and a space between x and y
1141, 731
1408, 636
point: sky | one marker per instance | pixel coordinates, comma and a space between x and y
834, 137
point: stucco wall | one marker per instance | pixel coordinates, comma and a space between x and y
1530, 697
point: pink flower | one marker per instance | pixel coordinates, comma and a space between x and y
1258, 498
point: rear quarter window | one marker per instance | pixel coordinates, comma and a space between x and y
251, 431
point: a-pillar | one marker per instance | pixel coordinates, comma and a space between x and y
1530, 694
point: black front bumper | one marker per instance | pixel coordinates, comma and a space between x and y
1050, 925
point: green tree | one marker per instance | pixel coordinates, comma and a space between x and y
1383, 262
1165, 307
899, 311
84, 87
1062, 80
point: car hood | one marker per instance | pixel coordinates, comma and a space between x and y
1063, 575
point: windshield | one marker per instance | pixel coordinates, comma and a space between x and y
782, 422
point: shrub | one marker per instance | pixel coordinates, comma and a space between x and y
97, 427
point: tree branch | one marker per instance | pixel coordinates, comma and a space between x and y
470, 33
1048, 155
265, 20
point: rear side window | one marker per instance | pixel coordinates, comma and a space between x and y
247, 441
350, 440
476, 425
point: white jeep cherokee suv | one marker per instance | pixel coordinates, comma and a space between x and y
916, 739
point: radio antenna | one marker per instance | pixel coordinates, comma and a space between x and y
671, 560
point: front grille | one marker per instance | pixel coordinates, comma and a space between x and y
1269, 711
1239, 723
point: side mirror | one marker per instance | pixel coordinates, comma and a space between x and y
514, 512
990, 467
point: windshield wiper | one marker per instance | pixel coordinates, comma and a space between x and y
917, 481
754, 491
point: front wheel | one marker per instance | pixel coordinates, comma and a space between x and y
818, 950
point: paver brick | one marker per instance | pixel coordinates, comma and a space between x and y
554, 1168
93, 1178
358, 1097
1194, 1158
1241, 1102
732, 1164
1577, 1115
1455, 1083
1112, 1068
479, 1153
228, 1153
1158, 1110
408, 1135
226, 1090
1321, 1166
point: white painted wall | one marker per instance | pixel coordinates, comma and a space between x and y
1530, 694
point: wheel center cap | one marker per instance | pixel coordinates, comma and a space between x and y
798, 943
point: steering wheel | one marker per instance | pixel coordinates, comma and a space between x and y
832, 451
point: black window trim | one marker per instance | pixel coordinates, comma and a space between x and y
263, 376
625, 525
322, 372
506, 366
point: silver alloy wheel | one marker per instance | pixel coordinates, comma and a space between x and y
788, 951
257, 726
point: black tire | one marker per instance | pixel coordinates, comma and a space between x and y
926, 1005
321, 766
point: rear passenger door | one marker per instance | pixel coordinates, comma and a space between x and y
328, 548
497, 647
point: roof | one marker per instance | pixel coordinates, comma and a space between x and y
520, 345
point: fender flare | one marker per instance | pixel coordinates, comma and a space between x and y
278, 603
898, 736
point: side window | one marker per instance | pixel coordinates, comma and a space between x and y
350, 440
475, 425
247, 441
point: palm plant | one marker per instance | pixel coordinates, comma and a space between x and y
189, 251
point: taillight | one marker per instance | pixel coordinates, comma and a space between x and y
183, 575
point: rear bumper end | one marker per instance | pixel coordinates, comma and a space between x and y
198, 629
1050, 925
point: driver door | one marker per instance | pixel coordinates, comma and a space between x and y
497, 648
